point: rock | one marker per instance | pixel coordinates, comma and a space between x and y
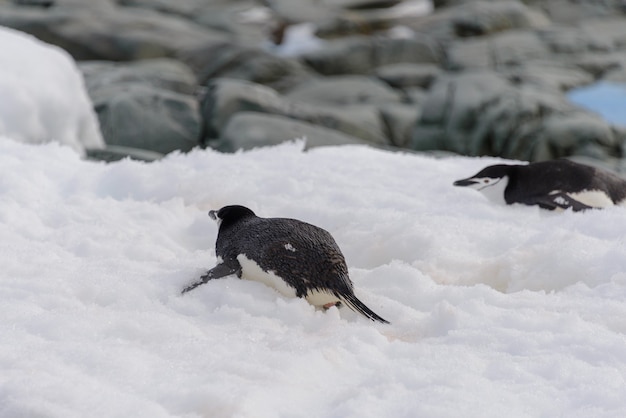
344, 90
35, 3
561, 11
400, 119
115, 153
477, 18
522, 56
227, 60
186, 8
140, 116
248, 23
606, 34
361, 55
566, 40
361, 121
163, 73
503, 49
246, 130
364, 4
419, 50
371, 18
92, 4
145, 105
405, 75
351, 25
110, 33
391, 85
481, 113
549, 74
440, 4
571, 12
226, 97
343, 56
415, 95
600, 64
618, 75
576, 133
300, 11
243, 20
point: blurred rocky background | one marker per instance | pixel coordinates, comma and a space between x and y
452, 76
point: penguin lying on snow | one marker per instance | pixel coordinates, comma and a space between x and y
294, 257
557, 184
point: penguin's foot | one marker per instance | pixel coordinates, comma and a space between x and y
331, 304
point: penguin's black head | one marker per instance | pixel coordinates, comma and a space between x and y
487, 177
491, 181
229, 215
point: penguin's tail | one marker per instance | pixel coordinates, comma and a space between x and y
356, 305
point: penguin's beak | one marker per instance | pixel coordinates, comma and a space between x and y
465, 182
213, 215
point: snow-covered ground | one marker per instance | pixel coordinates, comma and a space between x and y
496, 311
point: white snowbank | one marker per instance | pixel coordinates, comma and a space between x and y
42, 95
496, 311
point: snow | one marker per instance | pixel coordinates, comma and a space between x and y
494, 309
43, 94
605, 98
298, 39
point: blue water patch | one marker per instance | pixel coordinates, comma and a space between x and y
605, 98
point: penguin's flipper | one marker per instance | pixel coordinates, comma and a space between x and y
221, 270
558, 200
356, 305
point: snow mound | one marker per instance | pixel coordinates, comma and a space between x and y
43, 97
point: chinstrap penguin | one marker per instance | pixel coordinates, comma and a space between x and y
556, 184
296, 258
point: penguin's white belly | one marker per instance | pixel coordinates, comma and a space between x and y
250, 270
321, 298
593, 198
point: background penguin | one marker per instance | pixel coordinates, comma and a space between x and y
294, 257
557, 184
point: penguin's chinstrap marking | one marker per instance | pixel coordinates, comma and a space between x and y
294, 257
557, 184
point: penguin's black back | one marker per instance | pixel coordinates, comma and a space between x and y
305, 256
545, 177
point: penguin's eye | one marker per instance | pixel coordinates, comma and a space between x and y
486, 181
